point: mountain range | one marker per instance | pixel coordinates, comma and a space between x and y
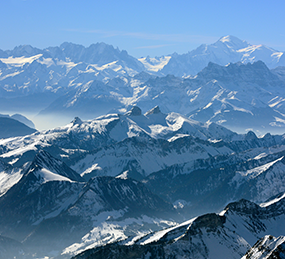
121, 177
228, 49
228, 82
167, 157
237, 96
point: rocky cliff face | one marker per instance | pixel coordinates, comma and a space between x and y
268, 247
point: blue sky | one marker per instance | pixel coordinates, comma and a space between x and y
142, 28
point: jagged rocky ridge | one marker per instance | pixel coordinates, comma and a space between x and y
226, 235
268, 247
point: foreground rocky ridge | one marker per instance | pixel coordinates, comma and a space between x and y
268, 247
226, 235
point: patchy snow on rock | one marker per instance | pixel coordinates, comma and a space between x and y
253, 173
108, 229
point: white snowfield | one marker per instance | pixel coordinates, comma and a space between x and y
155, 64
20, 61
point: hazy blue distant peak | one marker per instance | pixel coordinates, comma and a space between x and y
24, 50
233, 42
24, 120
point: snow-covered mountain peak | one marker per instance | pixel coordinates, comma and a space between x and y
167, 153
233, 42
208, 236
227, 38
100, 55
227, 49
48, 168
242, 207
77, 121
159, 125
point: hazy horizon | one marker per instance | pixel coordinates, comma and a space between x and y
153, 28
